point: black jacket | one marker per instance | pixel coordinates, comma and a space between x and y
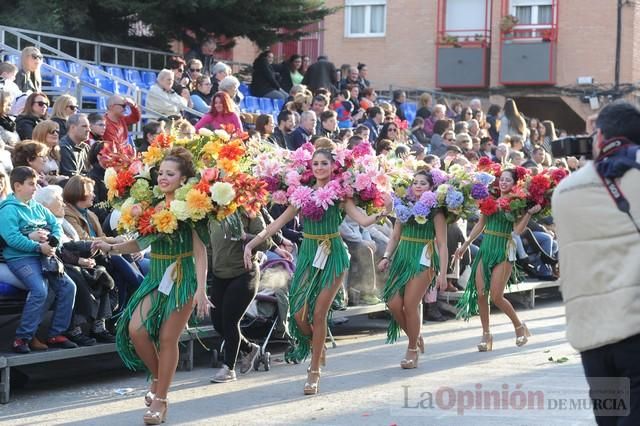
321, 74
73, 157
284, 76
263, 78
100, 190
25, 125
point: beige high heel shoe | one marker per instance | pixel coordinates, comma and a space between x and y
410, 363
148, 398
522, 340
156, 417
486, 344
312, 385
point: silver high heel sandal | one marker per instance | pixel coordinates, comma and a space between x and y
522, 340
410, 363
148, 398
311, 386
156, 417
486, 345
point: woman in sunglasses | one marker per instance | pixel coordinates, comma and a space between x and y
29, 78
48, 133
35, 110
63, 108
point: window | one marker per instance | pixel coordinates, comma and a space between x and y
365, 18
532, 12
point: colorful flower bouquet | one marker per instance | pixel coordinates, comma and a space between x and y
289, 179
218, 190
456, 193
540, 188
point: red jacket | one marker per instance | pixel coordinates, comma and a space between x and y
117, 131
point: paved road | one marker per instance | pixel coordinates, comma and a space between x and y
362, 384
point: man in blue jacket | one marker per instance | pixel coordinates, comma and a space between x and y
27, 228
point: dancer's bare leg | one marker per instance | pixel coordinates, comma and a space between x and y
319, 335
168, 351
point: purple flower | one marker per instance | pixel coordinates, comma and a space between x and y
479, 191
429, 199
421, 209
272, 183
312, 211
403, 213
439, 177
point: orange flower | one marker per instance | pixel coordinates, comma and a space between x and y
198, 204
124, 180
233, 150
227, 211
145, 224
229, 166
163, 140
152, 156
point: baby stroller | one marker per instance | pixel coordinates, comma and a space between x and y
265, 320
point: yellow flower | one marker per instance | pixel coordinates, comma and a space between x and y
165, 221
227, 211
110, 180
229, 166
198, 204
127, 221
153, 156
222, 193
212, 148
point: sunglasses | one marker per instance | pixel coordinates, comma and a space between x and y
36, 56
195, 69
392, 130
54, 132
122, 105
41, 103
450, 140
73, 107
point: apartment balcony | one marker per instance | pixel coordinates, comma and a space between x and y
528, 57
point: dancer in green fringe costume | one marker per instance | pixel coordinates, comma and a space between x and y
151, 323
492, 268
409, 277
312, 288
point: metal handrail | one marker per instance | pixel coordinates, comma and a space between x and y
96, 46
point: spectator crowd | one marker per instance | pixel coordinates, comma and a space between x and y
53, 165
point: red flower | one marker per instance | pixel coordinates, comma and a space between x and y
504, 204
484, 164
203, 186
558, 174
145, 225
521, 172
163, 140
488, 206
232, 151
538, 187
124, 180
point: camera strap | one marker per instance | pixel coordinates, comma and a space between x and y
608, 148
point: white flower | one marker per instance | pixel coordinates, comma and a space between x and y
222, 135
179, 209
222, 193
203, 131
146, 172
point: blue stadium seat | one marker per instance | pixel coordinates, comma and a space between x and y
148, 77
409, 111
13, 59
252, 104
59, 64
101, 104
244, 89
133, 76
266, 105
278, 105
115, 71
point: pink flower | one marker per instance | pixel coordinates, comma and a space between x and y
362, 149
301, 156
324, 197
362, 181
292, 178
279, 197
209, 174
136, 167
300, 196
312, 211
136, 210
383, 182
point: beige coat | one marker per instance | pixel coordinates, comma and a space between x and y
599, 258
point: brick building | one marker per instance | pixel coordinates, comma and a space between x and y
474, 47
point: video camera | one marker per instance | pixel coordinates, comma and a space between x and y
573, 146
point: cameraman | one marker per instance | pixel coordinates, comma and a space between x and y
600, 247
